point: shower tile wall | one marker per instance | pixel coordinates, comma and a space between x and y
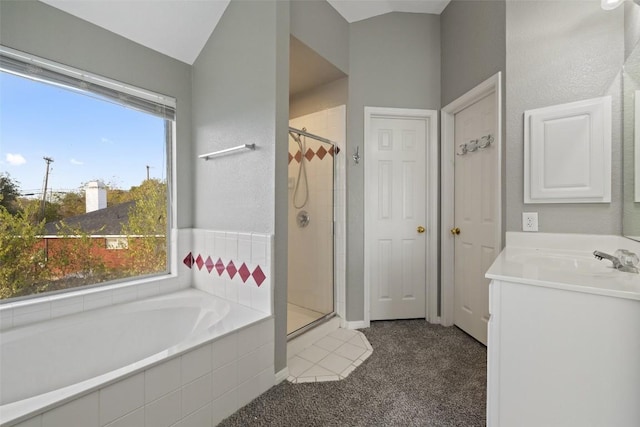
310, 256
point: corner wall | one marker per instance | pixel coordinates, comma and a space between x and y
394, 61
240, 96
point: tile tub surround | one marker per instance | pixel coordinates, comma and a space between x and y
197, 388
234, 266
330, 358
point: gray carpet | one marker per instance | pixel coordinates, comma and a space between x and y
418, 375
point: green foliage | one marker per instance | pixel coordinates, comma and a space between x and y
74, 253
147, 228
70, 204
9, 193
22, 258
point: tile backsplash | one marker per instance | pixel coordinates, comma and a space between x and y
234, 266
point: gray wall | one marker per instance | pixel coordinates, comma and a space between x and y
240, 95
631, 27
234, 85
394, 61
318, 25
41, 30
559, 52
319, 98
473, 45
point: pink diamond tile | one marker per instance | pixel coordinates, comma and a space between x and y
321, 152
298, 156
199, 262
188, 260
258, 276
231, 269
331, 151
219, 267
244, 272
290, 157
309, 154
209, 264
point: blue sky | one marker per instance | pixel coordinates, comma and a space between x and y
88, 138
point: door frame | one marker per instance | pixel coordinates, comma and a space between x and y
447, 255
431, 208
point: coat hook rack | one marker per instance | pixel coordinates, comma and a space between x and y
356, 155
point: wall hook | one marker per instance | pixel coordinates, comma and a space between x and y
356, 155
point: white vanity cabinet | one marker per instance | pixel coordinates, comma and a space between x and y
562, 356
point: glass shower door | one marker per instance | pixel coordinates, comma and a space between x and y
311, 246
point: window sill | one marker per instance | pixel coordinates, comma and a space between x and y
24, 312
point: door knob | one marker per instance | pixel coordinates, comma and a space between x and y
420, 229
455, 231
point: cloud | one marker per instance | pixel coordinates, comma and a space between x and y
106, 140
16, 159
76, 162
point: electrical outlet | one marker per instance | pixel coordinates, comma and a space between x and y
529, 221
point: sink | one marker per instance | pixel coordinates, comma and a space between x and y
576, 262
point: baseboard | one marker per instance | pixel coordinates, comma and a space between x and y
357, 324
282, 375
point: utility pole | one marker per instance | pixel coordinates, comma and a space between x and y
148, 172
49, 160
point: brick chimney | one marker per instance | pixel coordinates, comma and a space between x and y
95, 196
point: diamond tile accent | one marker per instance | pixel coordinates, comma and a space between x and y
219, 267
321, 152
188, 260
258, 276
290, 157
244, 272
309, 154
209, 264
331, 151
298, 156
231, 269
199, 262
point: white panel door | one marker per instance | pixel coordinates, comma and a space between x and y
395, 207
476, 216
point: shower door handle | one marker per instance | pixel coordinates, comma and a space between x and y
420, 229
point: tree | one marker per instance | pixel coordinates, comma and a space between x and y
147, 228
9, 193
22, 258
71, 203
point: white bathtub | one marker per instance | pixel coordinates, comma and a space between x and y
46, 364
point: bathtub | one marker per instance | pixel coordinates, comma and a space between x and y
47, 364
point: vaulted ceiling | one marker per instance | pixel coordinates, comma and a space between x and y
180, 28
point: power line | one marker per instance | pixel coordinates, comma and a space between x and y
49, 160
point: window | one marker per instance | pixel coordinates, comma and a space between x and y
83, 178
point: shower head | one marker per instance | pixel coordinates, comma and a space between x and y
295, 137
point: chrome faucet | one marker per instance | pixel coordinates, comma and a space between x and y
627, 266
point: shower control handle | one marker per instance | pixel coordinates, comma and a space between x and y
420, 229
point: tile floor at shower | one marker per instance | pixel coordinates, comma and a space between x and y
298, 317
330, 357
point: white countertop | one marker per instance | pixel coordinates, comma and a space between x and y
566, 261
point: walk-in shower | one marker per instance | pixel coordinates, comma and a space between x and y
311, 234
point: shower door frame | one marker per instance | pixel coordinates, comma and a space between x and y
332, 313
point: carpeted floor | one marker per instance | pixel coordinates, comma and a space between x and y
419, 375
